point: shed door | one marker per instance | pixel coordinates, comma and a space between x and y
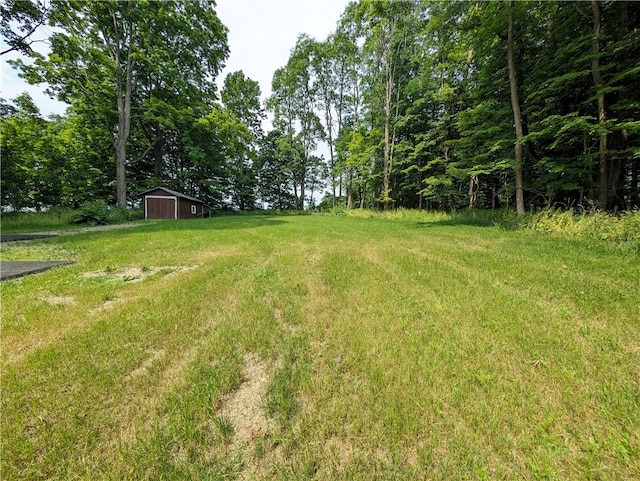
161, 207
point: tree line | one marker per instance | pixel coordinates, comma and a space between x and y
144, 109
446, 105
417, 104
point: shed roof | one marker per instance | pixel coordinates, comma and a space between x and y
173, 192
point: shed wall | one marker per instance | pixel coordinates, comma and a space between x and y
184, 209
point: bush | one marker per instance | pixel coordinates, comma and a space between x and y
92, 213
99, 213
118, 215
621, 230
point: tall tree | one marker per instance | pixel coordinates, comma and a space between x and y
294, 102
241, 97
112, 43
275, 182
62, 160
517, 115
603, 171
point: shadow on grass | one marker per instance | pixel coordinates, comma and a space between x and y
468, 218
217, 223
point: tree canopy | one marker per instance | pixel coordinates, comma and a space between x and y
414, 104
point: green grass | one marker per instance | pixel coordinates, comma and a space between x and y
25, 222
398, 346
63, 219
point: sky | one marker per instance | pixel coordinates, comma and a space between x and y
261, 36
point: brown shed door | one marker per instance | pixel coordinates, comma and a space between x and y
158, 207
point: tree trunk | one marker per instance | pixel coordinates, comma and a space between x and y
295, 193
332, 163
473, 191
387, 143
158, 149
339, 112
517, 116
388, 68
420, 196
124, 84
350, 190
634, 193
603, 168
124, 124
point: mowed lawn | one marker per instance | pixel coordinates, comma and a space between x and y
321, 347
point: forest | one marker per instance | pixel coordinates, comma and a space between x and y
413, 104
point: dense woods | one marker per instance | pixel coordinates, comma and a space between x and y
412, 104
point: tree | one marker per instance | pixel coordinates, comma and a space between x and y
293, 102
109, 45
19, 21
517, 116
235, 146
20, 144
275, 182
62, 160
241, 96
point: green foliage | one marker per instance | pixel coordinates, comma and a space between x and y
241, 96
92, 213
275, 183
621, 230
63, 160
56, 218
137, 68
19, 21
412, 99
293, 105
99, 213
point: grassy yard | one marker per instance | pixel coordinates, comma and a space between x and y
321, 347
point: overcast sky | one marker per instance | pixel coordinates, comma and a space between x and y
261, 36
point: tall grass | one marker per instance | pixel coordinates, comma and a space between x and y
60, 218
615, 228
619, 230
25, 222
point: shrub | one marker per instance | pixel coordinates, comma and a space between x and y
99, 213
92, 213
620, 230
56, 218
118, 215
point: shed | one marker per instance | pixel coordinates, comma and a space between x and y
163, 203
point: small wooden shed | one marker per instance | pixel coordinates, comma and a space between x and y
163, 203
